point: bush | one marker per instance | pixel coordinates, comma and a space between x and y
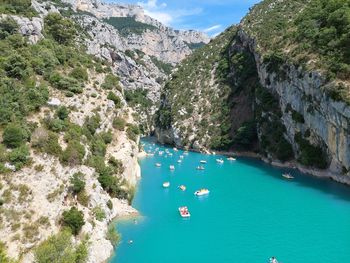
16, 66
8, 26
59, 28
79, 73
99, 213
112, 235
297, 117
246, 135
74, 153
60, 249
77, 183
133, 131
62, 113
46, 142
111, 81
17, 7
92, 123
19, 156
117, 101
119, 124
98, 147
14, 136
74, 219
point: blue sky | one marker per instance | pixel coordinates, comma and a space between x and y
210, 16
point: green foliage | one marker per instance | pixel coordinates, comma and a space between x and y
311, 155
8, 26
19, 156
112, 235
79, 73
297, 117
3, 256
133, 132
162, 66
119, 123
17, 7
99, 213
111, 81
14, 135
117, 101
77, 183
92, 123
59, 28
74, 219
62, 113
246, 135
65, 83
73, 154
128, 25
138, 97
16, 66
59, 248
46, 141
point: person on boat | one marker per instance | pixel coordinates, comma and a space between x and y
273, 260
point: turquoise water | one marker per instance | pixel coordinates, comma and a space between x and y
251, 214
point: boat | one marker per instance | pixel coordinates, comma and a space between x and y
170, 154
158, 165
202, 161
175, 149
184, 211
185, 152
214, 153
182, 187
273, 260
150, 154
166, 184
287, 176
130, 241
179, 161
201, 192
231, 159
160, 153
181, 156
200, 167
172, 167
221, 161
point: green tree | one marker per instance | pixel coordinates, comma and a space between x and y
74, 219
16, 66
59, 28
8, 26
77, 183
14, 136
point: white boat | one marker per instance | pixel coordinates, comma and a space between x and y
182, 187
273, 260
202, 161
158, 165
287, 176
185, 152
231, 159
183, 210
160, 153
166, 184
179, 161
172, 167
175, 149
181, 156
221, 161
170, 154
201, 192
200, 167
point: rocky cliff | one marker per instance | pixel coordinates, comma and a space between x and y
285, 101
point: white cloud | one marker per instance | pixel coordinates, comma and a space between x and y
160, 12
212, 28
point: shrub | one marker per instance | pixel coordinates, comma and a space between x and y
74, 219
92, 123
74, 153
8, 26
16, 66
14, 136
117, 101
297, 117
59, 28
110, 204
107, 137
3, 257
62, 113
99, 213
119, 123
60, 249
46, 142
112, 235
79, 73
133, 131
111, 81
77, 183
246, 135
98, 147
19, 156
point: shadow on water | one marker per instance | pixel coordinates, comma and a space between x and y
325, 185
